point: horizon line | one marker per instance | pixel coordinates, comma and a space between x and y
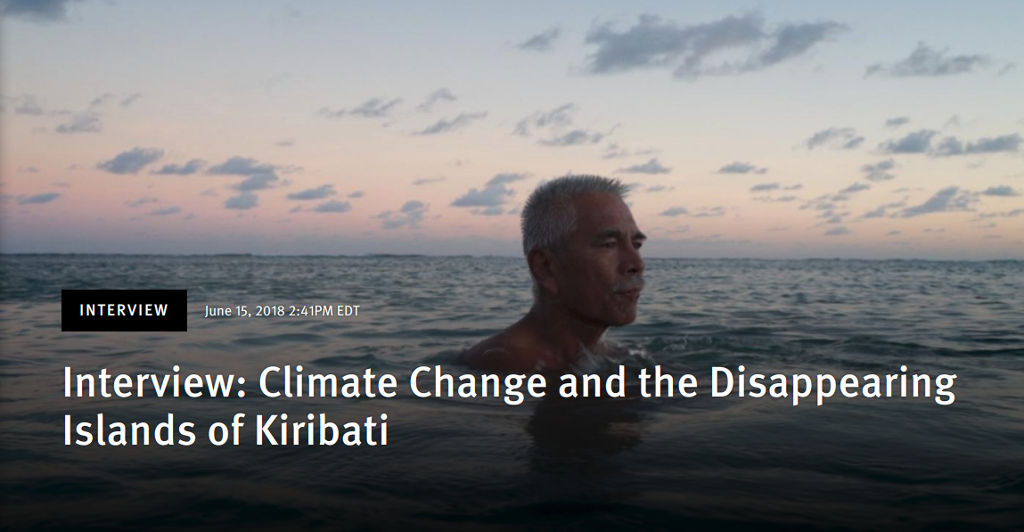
486, 256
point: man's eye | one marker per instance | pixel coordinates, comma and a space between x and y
638, 244
609, 244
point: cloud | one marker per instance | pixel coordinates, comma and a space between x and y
240, 166
792, 40
491, 195
356, 194
740, 168
333, 206
780, 199
167, 211
130, 99
839, 138
258, 175
427, 180
703, 212
440, 95
1005, 214
1002, 191
691, 50
652, 166
81, 123
489, 211
555, 122
574, 138
953, 146
614, 151
832, 217
243, 201
101, 99
35, 10
674, 211
681, 229
131, 161
445, 125
372, 108
882, 210
285, 143
507, 177
188, 168
38, 198
764, 187
926, 61
561, 116
320, 192
256, 182
287, 168
820, 203
921, 142
410, 215
949, 199
897, 121
878, 171
856, 187
141, 201
26, 105
916, 142
837, 231
540, 42
709, 212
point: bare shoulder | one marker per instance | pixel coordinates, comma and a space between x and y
489, 354
511, 350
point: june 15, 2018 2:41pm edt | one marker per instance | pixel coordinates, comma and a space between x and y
283, 311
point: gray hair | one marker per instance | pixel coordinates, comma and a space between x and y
549, 216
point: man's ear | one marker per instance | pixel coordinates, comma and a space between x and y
542, 267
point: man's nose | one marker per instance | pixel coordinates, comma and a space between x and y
633, 263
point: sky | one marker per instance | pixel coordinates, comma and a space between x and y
776, 130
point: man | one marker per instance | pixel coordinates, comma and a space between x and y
583, 250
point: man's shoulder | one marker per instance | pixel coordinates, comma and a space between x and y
511, 350
491, 354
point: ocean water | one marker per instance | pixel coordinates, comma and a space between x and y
705, 462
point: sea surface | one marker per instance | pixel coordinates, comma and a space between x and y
664, 463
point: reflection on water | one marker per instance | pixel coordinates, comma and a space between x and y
660, 463
582, 436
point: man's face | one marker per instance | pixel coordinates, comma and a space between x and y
599, 274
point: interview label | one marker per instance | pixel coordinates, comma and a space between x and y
123, 310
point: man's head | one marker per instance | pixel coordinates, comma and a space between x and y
583, 248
